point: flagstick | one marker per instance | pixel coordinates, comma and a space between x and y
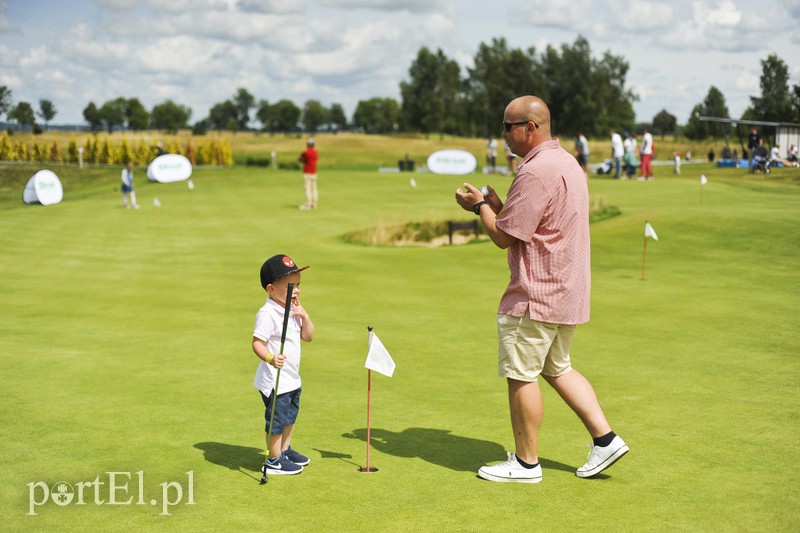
367, 469
644, 255
369, 411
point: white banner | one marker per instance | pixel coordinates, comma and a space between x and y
168, 168
44, 188
452, 162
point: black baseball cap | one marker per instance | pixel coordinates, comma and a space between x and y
277, 267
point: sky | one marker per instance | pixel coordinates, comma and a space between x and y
199, 52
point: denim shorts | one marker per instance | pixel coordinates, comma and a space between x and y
285, 411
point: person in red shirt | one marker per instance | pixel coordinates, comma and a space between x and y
309, 160
544, 225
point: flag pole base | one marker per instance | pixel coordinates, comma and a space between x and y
366, 470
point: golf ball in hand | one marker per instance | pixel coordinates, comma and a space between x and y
484, 191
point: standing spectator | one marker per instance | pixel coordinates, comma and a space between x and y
491, 155
617, 151
582, 153
631, 163
677, 157
711, 155
753, 141
127, 187
647, 156
309, 159
544, 225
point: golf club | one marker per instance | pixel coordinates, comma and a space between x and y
286, 309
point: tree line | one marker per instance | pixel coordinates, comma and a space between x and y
585, 94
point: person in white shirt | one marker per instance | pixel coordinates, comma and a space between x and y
647, 156
775, 157
617, 151
127, 187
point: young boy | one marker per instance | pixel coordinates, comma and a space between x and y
276, 274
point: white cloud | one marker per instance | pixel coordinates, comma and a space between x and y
416, 6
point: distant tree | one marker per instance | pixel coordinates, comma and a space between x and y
430, 97
170, 116
286, 115
23, 114
5, 100
377, 115
338, 119
314, 115
138, 116
499, 75
664, 123
775, 103
796, 103
263, 113
712, 106
112, 113
223, 115
47, 111
200, 127
244, 102
92, 116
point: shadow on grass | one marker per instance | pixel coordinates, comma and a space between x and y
232, 457
441, 447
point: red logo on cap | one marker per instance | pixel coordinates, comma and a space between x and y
288, 262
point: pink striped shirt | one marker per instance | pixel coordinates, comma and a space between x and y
547, 211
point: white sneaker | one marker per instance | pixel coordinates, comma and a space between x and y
601, 458
511, 471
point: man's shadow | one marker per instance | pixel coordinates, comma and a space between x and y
441, 447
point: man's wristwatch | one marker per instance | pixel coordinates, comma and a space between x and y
477, 207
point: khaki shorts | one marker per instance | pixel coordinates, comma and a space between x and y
527, 348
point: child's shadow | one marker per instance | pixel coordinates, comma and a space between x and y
231, 456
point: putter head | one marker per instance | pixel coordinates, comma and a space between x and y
263, 475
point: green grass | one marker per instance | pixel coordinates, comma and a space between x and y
126, 346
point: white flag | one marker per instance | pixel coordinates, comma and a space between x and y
649, 231
156, 202
413, 183
190, 184
378, 359
703, 179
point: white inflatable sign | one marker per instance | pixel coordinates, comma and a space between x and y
452, 162
44, 188
168, 168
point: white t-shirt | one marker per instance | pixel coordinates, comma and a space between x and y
616, 145
269, 324
584, 145
775, 154
647, 143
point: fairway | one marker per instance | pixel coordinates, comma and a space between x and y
125, 337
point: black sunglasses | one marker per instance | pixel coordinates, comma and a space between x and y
508, 125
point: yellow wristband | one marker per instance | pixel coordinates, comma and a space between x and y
270, 358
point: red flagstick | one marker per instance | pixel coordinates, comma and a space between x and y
369, 411
368, 469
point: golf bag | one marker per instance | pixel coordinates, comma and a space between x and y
605, 167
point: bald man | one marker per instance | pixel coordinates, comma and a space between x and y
544, 225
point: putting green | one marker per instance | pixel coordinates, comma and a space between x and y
126, 346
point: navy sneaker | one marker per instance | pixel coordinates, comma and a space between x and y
296, 457
281, 466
